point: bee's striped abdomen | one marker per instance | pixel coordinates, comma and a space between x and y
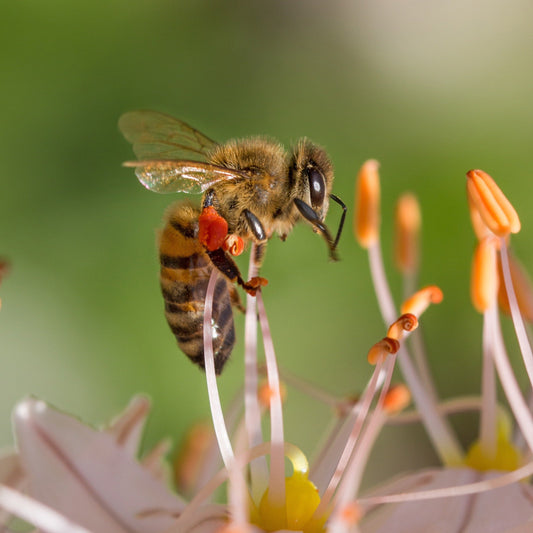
185, 272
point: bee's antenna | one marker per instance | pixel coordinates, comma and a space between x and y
343, 216
309, 214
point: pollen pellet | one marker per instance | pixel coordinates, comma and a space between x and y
367, 201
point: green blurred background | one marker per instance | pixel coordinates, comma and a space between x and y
431, 89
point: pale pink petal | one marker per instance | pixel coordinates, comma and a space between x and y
128, 426
11, 472
155, 460
207, 519
494, 511
48, 520
87, 476
11, 475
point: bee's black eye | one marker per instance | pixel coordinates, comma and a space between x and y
317, 187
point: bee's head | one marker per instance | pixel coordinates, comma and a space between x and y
311, 176
311, 181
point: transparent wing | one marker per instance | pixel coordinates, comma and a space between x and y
192, 177
158, 136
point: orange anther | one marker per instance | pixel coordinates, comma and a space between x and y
367, 201
381, 349
406, 322
397, 398
407, 228
192, 455
234, 245
522, 287
494, 208
484, 280
351, 514
421, 300
480, 228
212, 229
266, 393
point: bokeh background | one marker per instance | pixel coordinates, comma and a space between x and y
430, 89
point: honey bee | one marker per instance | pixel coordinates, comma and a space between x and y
252, 188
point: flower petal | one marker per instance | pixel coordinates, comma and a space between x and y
493, 511
128, 426
87, 476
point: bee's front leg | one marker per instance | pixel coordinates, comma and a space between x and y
213, 234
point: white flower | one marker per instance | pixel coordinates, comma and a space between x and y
67, 477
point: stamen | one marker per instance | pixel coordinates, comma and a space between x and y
480, 228
361, 409
396, 399
421, 300
508, 380
221, 432
453, 491
518, 323
252, 410
351, 513
405, 324
266, 394
277, 462
367, 201
407, 225
381, 349
493, 206
191, 456
523, 289
484, 279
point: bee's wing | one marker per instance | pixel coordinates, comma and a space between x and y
158, 136
169, 176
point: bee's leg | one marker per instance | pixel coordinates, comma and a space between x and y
255, 225
235, 299
227, 266
212, 233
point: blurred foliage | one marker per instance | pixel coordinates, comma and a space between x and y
429, 89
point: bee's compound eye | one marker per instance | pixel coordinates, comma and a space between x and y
317, 187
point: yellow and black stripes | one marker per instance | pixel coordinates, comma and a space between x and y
185, 272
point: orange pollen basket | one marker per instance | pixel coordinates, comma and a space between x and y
212, 230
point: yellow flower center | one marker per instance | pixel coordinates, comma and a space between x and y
505, 457
301, 501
